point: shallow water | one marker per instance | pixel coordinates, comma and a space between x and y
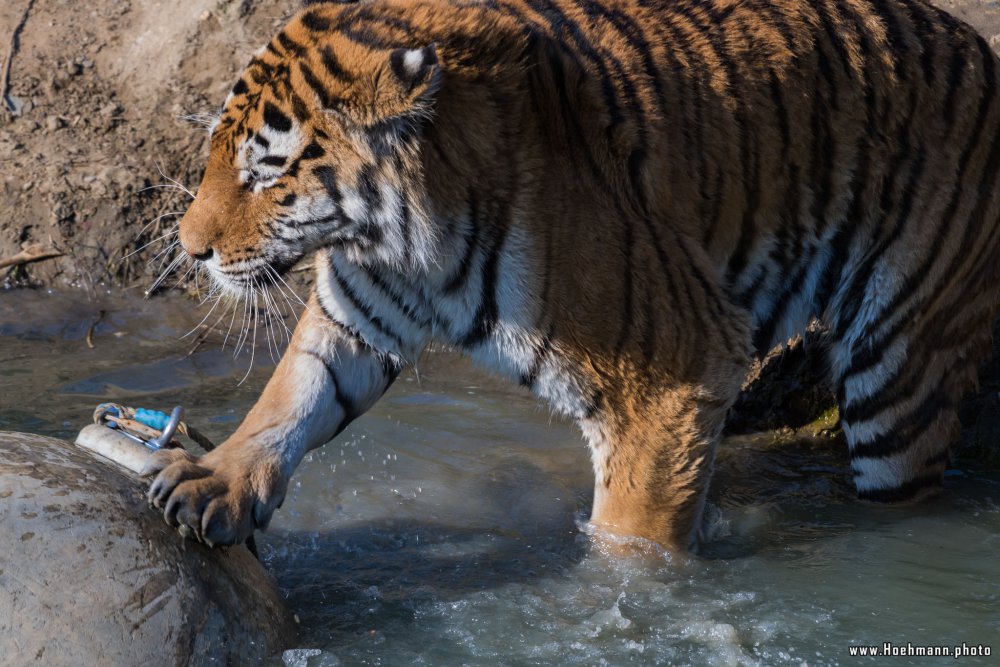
447, 526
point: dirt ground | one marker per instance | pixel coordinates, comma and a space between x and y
105, 98
101, 91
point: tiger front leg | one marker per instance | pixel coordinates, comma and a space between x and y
653, 462
326, 378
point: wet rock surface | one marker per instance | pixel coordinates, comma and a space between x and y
90, 576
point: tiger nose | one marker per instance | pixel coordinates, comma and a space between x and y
197, 249
202, 256
198, 236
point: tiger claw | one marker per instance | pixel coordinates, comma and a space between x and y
211, 500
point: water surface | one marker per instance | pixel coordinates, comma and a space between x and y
448, 525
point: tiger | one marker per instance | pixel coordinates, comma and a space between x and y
616, 204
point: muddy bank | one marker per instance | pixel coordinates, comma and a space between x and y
103, 103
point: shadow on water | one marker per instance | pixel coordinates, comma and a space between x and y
360, 576
357, 577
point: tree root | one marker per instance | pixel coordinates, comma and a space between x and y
35, 252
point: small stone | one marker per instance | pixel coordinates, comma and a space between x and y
110, 109
27, 186
74, 69
53, 123
205, 15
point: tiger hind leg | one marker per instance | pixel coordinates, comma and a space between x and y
899, 394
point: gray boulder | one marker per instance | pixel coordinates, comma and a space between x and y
89, 575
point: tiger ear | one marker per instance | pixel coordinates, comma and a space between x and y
407, 82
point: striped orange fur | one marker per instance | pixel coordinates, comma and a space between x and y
615, 203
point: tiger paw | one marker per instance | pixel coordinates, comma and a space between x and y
214, 499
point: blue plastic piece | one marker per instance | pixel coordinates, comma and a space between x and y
152, 418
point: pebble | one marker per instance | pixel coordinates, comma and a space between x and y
53, 123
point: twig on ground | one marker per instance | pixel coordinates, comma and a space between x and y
12, 49
93, 325
33, 253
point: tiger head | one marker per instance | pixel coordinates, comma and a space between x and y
317, 146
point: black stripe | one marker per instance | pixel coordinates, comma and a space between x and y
290, 45
824, 144
905, 431
273, 160
397, 299
486, 317
289, 199
956, 72
847, 232
560, 27
332, 65
648, 340
717, 309
831, 24
903, 492
632, 33
276, 118
367, 187
777, 19
529, 378
749, 161
240, 88
317, 87
365, 21
460, 276
763, 337
894, 36
594, 404
315, 21
927, 35
363, 308
343, 400
889, 394
746, 297
685, 98
312, 152
327, 177
299, 108
627, 303
407, 224
784, 126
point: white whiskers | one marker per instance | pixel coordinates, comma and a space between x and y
246, 298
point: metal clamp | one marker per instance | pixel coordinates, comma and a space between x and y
176, 416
